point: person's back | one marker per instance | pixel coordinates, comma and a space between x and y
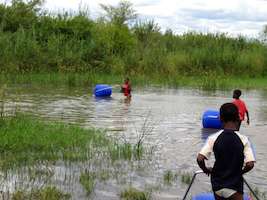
229, 159
242, 108
231, 151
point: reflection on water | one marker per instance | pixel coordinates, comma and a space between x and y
175, 120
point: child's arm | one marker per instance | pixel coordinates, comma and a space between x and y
248, 166
250, 158
202, 165
204, 154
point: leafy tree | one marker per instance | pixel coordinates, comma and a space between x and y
19, 14
145, 31
120, 14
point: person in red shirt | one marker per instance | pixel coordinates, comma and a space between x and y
126, 88
242, 108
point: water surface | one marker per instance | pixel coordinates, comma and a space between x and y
171, 119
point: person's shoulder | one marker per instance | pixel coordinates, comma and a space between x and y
242, 137
242, 101
214, 136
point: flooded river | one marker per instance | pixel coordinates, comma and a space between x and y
173, 121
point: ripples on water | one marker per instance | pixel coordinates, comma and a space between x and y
174, 115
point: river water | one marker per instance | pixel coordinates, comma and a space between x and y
171, 117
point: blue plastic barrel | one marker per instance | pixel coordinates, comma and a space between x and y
211, 119
102, 90
210, 196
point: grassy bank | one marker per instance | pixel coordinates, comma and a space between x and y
88, 80
26, 141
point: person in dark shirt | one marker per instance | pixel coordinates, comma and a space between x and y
231, 151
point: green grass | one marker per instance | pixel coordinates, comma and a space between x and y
54, 79
208, 81
47, 193
169, 177
87, 180
186, 178
26, 141
134, 194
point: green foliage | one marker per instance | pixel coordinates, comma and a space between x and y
33, 41
26, 141
134, 194
121, 13
169, 177
47, 193
87, 180
186, 178
19, 15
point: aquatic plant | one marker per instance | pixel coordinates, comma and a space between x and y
134, 194
47, 193
186, 177
169, 177
87, 180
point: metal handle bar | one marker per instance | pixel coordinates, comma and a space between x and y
200, 172
193, 178
254, 194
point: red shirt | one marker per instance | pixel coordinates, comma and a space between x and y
241, 108
126, 89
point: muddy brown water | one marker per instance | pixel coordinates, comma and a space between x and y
172, 119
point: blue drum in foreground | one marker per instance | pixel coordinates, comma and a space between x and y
102, 90
210, 196
211, 119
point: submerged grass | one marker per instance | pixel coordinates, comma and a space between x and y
186, 178
169, 177
87, 180
26, 141
134, 194
47, 193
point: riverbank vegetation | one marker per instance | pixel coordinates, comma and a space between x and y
33, 149
47, 46
27, 141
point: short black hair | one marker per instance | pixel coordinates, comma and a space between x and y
229, 112
237, 93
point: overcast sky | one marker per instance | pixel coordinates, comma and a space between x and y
245, 17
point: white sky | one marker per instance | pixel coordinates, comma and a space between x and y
245, 17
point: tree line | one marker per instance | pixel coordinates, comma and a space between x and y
34, 41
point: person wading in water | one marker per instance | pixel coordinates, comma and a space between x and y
126, 89
231, 151
242, 108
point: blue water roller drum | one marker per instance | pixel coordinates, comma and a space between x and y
211, 119
210, 196
102, 90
